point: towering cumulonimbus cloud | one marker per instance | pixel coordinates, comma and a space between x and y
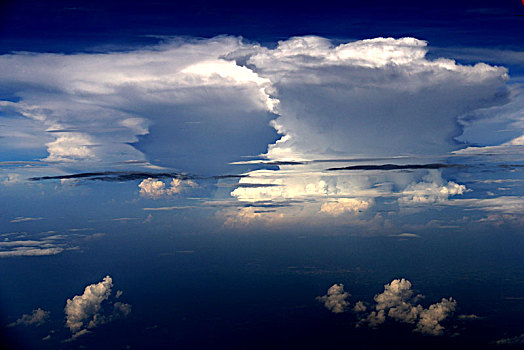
375, 97
178, 104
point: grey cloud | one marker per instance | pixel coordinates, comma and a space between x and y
335, 299
121, 176
386, 167
514, 341
37, 318
155, 102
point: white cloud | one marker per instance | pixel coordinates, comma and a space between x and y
431, 190
335, 299
87, 108
153, 188
341, 206
86, 311
70, 147
331, 98
37, 318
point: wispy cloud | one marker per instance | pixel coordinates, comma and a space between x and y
26, 219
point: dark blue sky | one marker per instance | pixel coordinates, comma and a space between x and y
76, 25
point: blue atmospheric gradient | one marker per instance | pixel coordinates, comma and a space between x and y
261, 175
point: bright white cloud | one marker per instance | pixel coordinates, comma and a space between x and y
92, 107
335, 299
332, 98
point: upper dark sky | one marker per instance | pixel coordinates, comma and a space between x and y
79, 25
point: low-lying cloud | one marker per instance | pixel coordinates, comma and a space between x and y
93, 308
396, 303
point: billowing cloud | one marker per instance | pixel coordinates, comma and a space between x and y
335, 299
37, 318
153, 188
157, 102
331, 98
86, 311
398, 303
431, 190
344, 205
430, 318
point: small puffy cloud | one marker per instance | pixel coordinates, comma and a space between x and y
395, 293
429, 318
153, 188
335, 299
397, 303
36, 318
341, 206
433, 189
375, 318
71, 147
359, 307
87, 311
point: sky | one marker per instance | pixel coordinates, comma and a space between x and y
261, 175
